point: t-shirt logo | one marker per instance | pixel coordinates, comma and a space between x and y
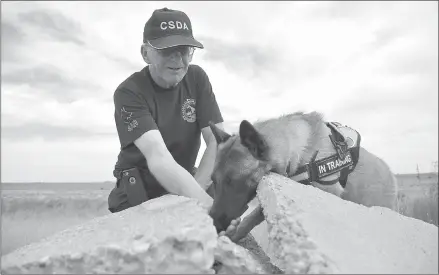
127, 119
126, 116
188, 111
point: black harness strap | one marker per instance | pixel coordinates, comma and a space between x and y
344, 161
355, 153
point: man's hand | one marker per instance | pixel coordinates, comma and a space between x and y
172, 176
238, 230
231, 229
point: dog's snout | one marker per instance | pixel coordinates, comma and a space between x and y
220, 222
218, 227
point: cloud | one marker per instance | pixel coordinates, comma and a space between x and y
88, 115
424, 63
123, 63
371, 65
26, 25
336, 10
11, 37
53, 24
250, 60
51, 83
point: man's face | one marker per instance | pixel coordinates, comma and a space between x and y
169, 65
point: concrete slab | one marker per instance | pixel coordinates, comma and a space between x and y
311, 231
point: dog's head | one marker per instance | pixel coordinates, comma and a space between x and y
240, 163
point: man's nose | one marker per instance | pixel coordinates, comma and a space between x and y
176, 55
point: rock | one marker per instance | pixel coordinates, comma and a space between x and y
311, 231
231, 258
171, 234
250, 244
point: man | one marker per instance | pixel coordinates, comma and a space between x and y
160, 114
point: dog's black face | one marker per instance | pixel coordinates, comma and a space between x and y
239, 166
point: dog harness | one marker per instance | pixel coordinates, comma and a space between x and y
346, 142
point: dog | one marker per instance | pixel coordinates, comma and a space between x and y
300, 146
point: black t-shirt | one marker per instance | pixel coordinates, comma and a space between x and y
178, 113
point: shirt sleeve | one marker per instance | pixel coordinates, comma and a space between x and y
207, 106
132, 116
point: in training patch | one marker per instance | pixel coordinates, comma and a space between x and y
332, 164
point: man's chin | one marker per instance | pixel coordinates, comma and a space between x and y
173, 82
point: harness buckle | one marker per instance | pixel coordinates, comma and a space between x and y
341, 147
338, 140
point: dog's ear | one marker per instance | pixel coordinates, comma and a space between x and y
251, 139
219, 134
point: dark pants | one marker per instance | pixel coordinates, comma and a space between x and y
118, 199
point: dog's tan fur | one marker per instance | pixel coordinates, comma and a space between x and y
292, 139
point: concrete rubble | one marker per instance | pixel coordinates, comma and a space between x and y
244, 258
310, 231
171, 234
306, 231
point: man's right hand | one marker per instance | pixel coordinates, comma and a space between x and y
246, 225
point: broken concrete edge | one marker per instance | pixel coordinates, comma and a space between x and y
132, 255
289, 247
229, 258
86, 247
347, 237
107, 259
233, 258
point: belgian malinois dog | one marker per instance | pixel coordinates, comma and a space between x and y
302, 147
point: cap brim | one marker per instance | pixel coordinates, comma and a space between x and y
174, 40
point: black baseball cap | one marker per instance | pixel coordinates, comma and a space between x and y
169, 28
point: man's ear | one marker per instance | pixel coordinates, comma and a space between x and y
219, 134
144, 53
251, 139
190, 56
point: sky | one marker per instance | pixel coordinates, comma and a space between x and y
370, 65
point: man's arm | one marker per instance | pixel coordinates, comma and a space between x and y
205, 169
174, 178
